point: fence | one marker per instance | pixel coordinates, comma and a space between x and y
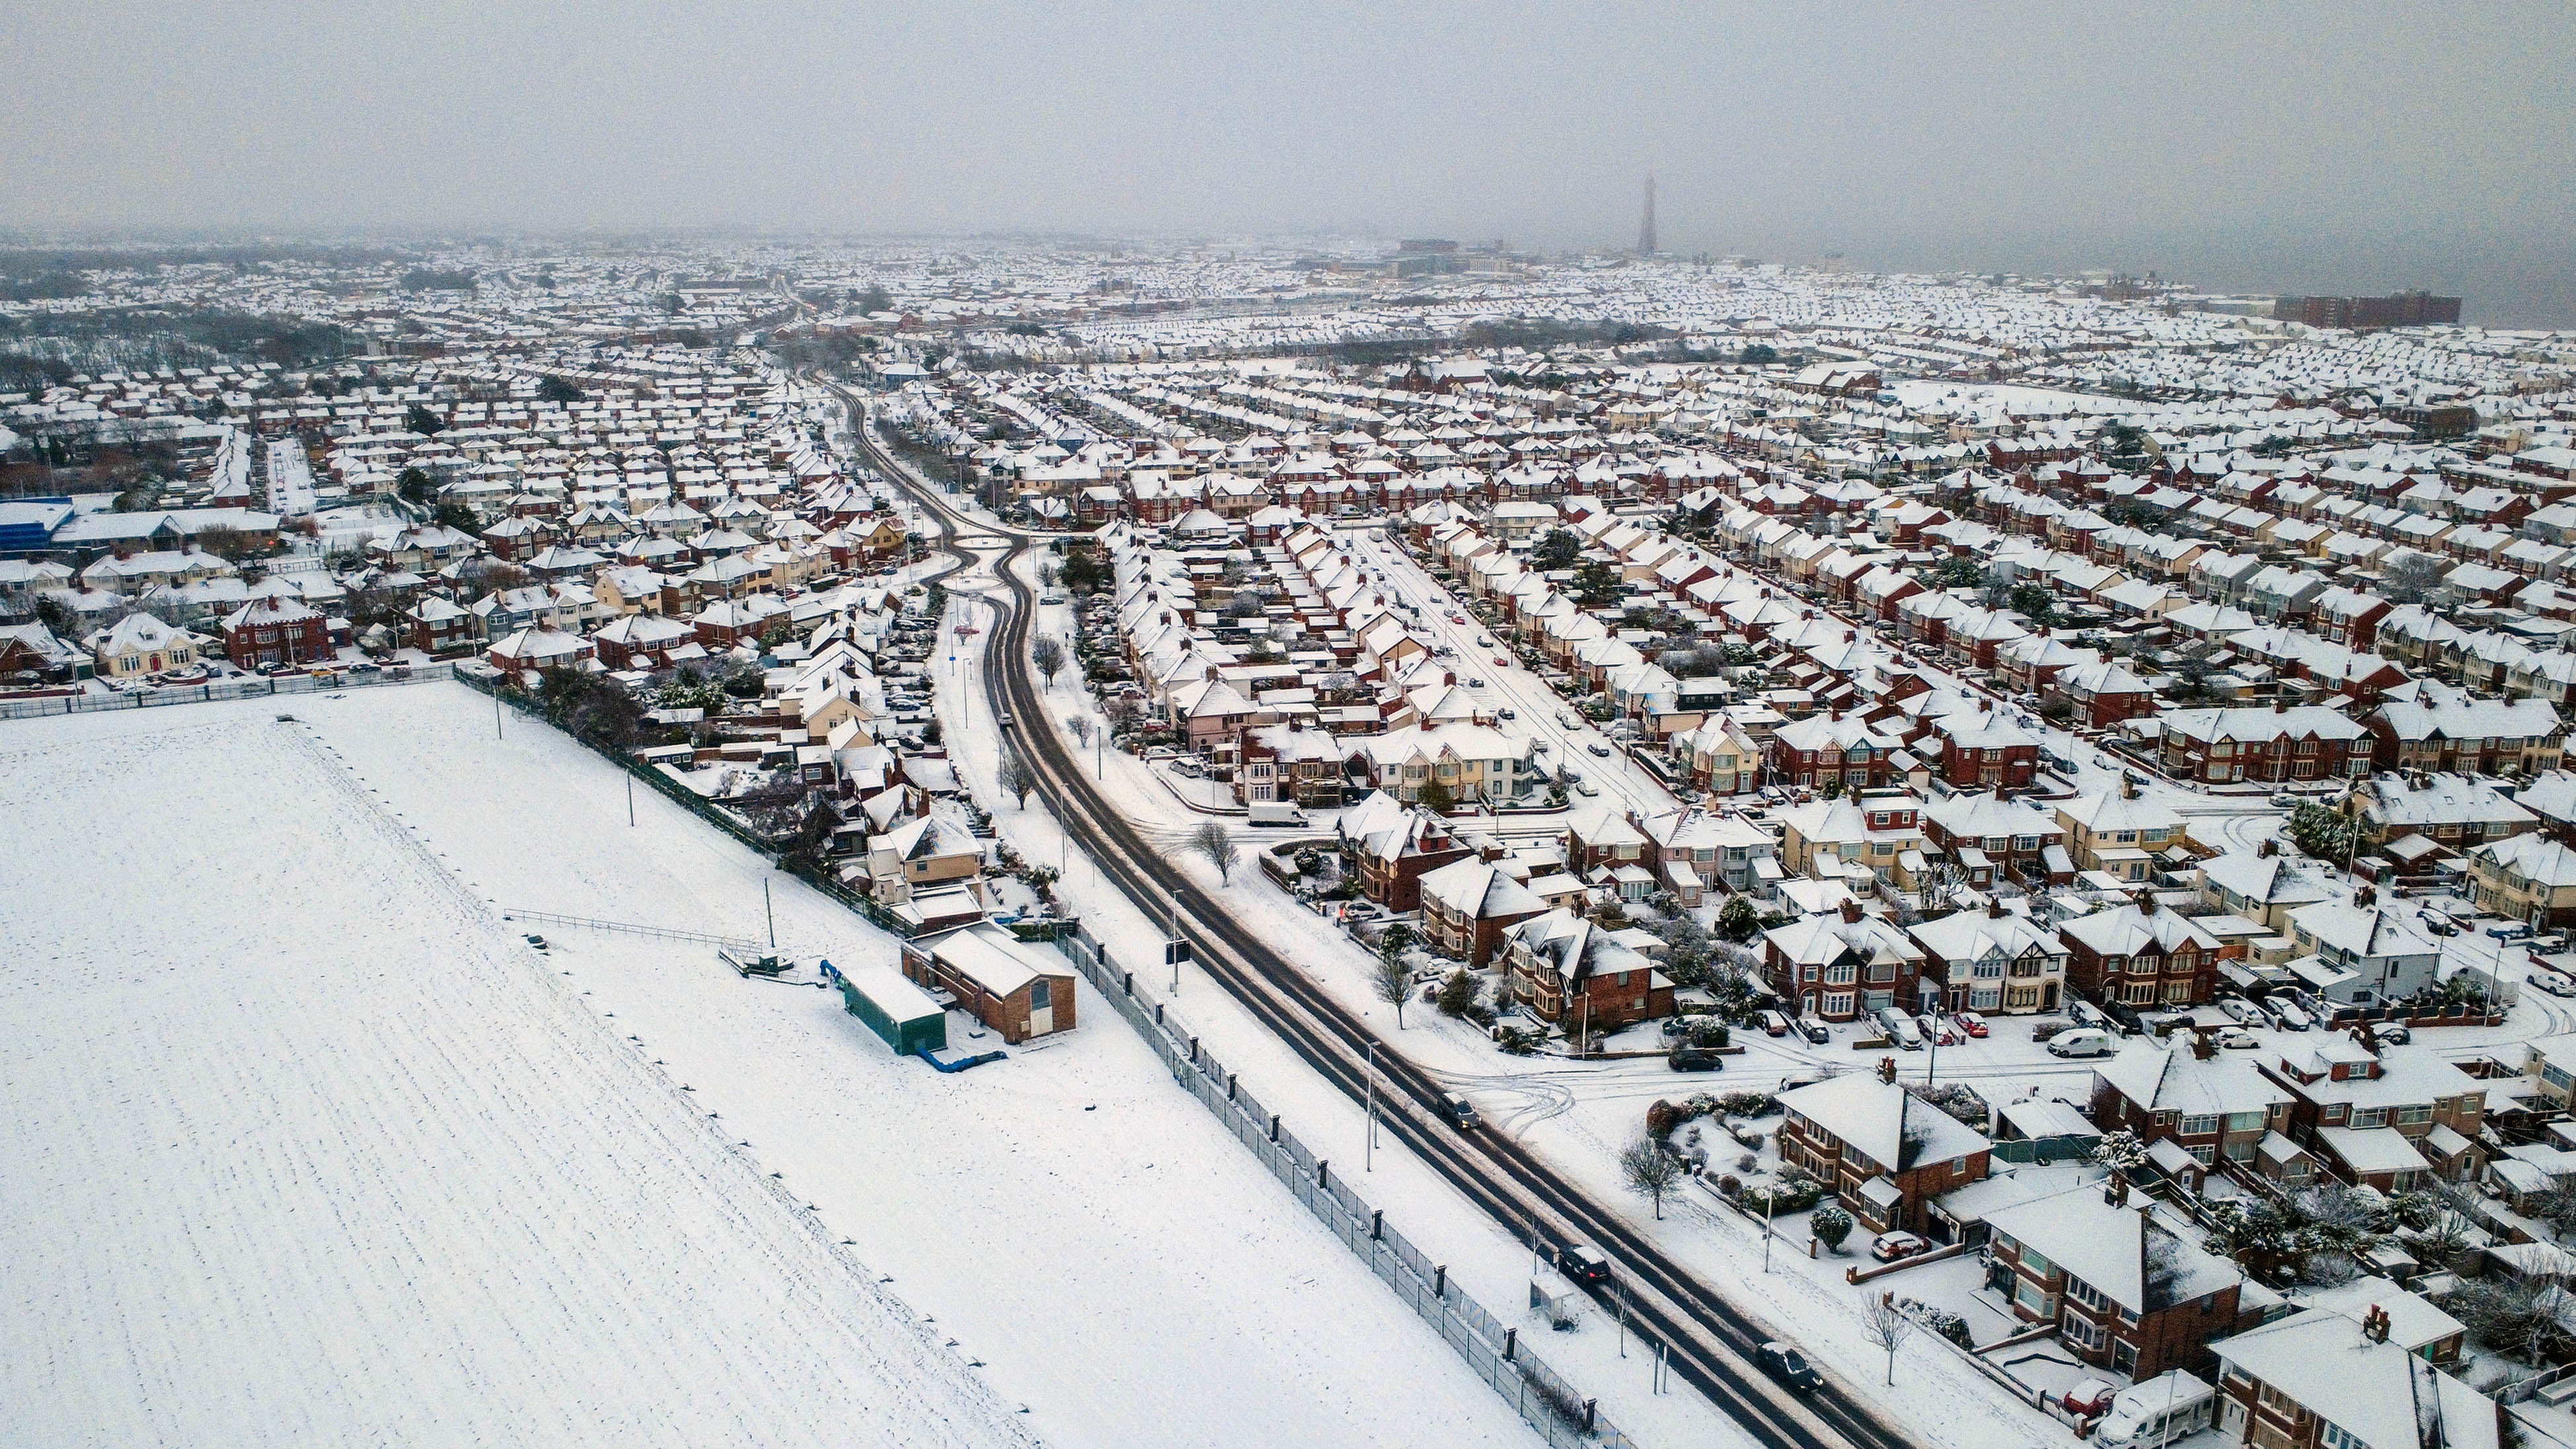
550, 918
251, 688
1552, 1406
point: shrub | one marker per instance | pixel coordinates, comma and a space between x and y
1831, 1225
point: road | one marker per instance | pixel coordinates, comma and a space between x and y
1711, 1339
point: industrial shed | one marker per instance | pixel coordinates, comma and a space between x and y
900, 1013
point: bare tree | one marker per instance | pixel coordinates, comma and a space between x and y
2412, 578
1393, 979
1048, 655
1888, 1326
1019, 779
1211, 841
1649, 1171
1080, 724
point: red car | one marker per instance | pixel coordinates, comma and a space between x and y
1501, 663
1969, 1022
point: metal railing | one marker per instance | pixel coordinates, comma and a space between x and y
1542, 1397
550, 918
253, 687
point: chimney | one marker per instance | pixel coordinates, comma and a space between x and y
2280, 706
2145, 901
2115, 1193
1850, 634
1995, 909
2128, 786
2106, 656
2201, 1046
2374, 1324
2365, 896
1851, 912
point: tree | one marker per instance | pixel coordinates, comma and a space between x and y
1557, 548
1081, 726
1437, 798
454, 515
1831, 1225
2120, 1151
1595, 583
2412, 577
1757, 354
2322, 833
2033, 601
1960, 571
556, 390
1886, 1325
1393, 979
422, 421
1458, 993
1019, 779
1048, 655
1649, 1171
1212, 842
1737, 920
416, 486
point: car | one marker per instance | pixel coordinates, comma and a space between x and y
2240, 1010
2090, 1397
1583, 1263
2238, 1039
1460, 1112
1789, 1366
2286, 1015
1004, 721
1970, 1023
1586, 789
2510, 931
1774, 1024
2552, 982
2083, 1041
2125, 1017
1501, 663
1687, 1058
1457, 618
2393, 1034
2549, 945
2439, 925
1598, 748
1937, 1031
1814, 1032
1889, 1247
1484, 641
1900, 1029
1506, 713
1475, 682
2087, 1014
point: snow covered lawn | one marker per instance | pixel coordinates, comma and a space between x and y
1073, 1221
304, 1148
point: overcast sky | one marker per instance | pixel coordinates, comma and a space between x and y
2327, 147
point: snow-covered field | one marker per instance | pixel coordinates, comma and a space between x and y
304, 1148
1096, 1248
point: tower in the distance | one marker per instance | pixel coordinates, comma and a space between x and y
1646, 227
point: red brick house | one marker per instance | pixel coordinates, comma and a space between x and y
2127, 1287
2142, 954
1881, 1152
276, 627
1982, 751
1468, 904
1568, 970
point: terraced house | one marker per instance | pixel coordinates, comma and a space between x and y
2282, 743
2141, 954
2449, 729
1992, 961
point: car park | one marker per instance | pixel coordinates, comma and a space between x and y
1970, 1024
1889, 1247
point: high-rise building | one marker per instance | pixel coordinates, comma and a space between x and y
1646, 228
2398, 309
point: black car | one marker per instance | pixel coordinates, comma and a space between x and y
2127, 1016
1695, 1059
1814, 1031
1789, 1366
1583, 1263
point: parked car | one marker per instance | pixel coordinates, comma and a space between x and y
2240, 1010
1814, 1031
1686, 1058
2087, 1014
1789, 1366
1475, 682
1501, 663
1900, 1029
1937, 1031
2393, 1034
2437, 923
1888, 1247
2238, 1039
1585, 789
1457, 618
2286, 1015
1583, 1263
1774, 1024
2090, 1397
1484, 641
2510, 930
1598, 748
2083, 1041
2126, 1017
1970, 1023
1460, 1112
2552, 982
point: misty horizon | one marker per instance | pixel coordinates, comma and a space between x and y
2293, 149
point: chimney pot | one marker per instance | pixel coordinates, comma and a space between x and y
1851, 912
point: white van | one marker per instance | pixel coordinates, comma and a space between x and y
1275, 813
2084, 1041
1900, 1028
2159, 1411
